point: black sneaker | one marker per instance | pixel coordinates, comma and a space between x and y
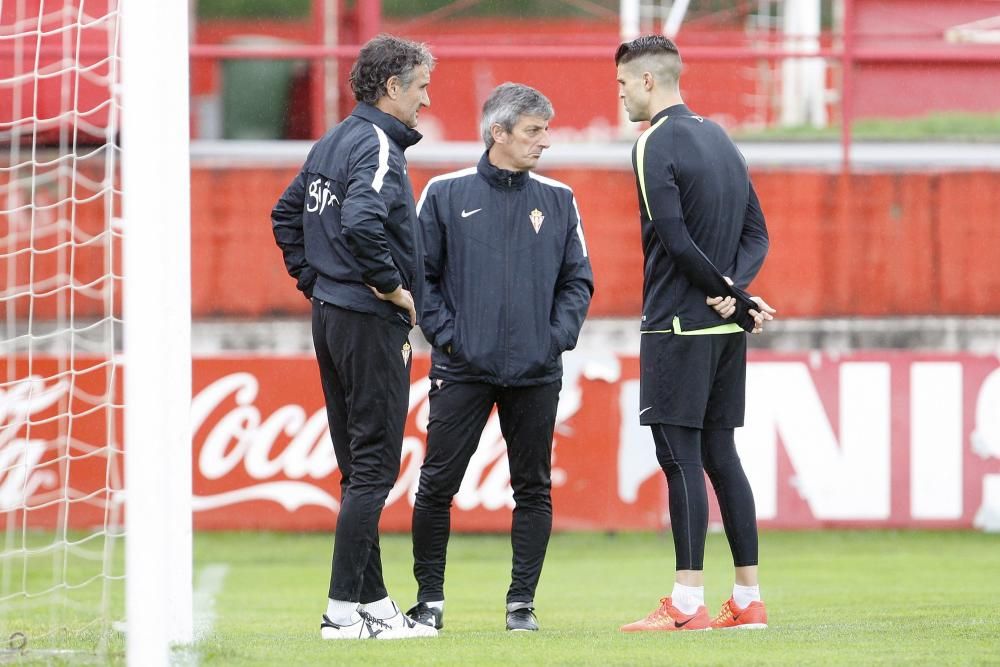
431, 616
522, 620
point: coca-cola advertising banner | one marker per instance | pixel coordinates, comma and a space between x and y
876, 439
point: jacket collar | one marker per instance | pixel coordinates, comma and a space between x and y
392, 126
675, 110
501, 179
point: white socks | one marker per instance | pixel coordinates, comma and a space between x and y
436, 604
688, 598
382, 609
343, 612
744, 595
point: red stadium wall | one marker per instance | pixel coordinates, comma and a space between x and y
869, 440
864, 244
939, 80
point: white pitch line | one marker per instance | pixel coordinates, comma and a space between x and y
205, 591
208, 587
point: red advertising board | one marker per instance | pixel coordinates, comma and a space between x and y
872, 439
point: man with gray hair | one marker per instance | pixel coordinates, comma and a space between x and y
347, 227
508, 284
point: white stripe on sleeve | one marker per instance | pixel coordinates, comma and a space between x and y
383, 159
579, 228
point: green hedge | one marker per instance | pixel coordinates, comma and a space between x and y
254, 9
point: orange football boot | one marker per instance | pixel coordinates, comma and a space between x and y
668, 618
753, 617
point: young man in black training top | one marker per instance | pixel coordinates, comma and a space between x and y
701, 222
508, 287
348, 229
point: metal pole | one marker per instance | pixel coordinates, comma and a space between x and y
674, 19
846, 83
331, 90
317, 73
369, 19
628, 19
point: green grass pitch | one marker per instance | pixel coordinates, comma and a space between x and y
834, 597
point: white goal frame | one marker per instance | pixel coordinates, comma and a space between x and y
157, 328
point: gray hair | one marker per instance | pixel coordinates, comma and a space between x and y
507, 103
382, 58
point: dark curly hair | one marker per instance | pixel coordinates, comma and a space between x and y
382, 58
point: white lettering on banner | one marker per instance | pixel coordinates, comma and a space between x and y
290, 495
986, 434
845, 480
243, 436
936, 449
986, 443
848, 479
308, 454
840, 466
19, 457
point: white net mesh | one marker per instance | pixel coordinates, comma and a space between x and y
61, 571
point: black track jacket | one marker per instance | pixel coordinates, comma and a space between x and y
700, 220
348, 219
508, 278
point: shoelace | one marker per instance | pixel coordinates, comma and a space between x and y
663, 609
660, 612
371, 620
724, 614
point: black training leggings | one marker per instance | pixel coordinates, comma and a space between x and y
685, 454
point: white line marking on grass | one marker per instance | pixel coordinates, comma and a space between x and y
208, 586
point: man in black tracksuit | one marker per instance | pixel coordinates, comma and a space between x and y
508, 287
704, 240
347, 228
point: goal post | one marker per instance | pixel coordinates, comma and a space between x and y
157, 327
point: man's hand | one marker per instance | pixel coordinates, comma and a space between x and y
725, 306
399, 297
761, 314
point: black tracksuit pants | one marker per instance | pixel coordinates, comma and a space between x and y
458, 413
364, 363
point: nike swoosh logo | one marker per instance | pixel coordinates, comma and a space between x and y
681, 625
644, 409
466, 214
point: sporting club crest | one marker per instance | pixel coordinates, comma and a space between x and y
537, 218
405, 351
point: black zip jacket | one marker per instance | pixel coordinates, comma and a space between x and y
508, 278
348, 219
700, 220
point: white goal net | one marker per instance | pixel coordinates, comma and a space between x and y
61, 568
62, 296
